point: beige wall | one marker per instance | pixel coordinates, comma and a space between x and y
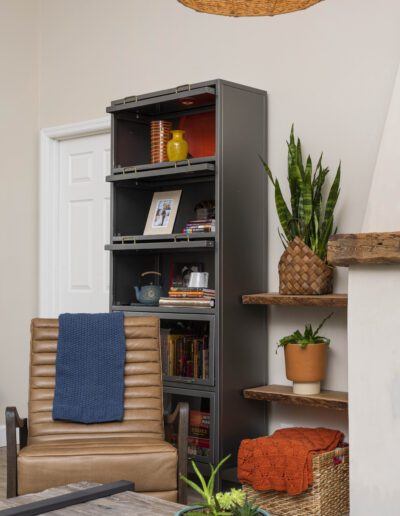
329, 69
18, 193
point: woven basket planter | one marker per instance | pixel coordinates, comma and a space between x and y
328, 496
301, 272
248, 7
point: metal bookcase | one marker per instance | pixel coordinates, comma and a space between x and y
235, 255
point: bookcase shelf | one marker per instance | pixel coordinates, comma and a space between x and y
229, 176
180, 170
181, 244
335, 400
273, 298
137, 308
128, 239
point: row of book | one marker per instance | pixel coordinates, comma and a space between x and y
185, 355
187, 296
200, 226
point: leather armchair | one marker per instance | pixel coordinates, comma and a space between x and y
53, 453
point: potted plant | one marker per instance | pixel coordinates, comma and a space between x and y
306, 356
230, 503
306, 226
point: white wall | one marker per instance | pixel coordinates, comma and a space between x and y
329, 69
19, 60
374, 352
374, 389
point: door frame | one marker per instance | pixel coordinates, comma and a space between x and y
49, 190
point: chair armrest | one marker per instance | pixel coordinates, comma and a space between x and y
180, 416
14, 421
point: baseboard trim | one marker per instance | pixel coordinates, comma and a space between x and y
2, 435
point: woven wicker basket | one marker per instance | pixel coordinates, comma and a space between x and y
328, 496
301, 272
248, 7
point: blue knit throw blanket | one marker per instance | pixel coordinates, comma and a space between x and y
90, 368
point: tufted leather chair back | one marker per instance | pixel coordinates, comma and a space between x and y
143, 385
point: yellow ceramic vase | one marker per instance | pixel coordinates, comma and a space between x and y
177, 147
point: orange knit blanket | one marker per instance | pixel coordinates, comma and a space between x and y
283, 462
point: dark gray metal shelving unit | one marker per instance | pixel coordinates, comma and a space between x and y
235, 255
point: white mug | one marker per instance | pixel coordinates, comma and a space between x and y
198, 280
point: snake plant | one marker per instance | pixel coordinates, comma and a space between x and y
308, 217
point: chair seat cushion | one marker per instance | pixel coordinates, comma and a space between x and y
150, 463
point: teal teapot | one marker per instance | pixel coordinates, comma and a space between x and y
148, 294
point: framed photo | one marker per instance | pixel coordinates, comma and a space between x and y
162, 214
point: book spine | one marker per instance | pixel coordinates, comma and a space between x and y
171, 355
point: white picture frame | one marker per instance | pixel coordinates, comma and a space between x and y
162, 213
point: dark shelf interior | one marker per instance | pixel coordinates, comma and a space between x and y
200, 433
132, 205
132, 140
128, 268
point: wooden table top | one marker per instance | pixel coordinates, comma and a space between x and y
127, 503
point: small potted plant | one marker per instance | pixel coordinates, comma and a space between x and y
306, 224
306, 356
230, 503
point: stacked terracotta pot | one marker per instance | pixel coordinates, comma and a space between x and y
160, 134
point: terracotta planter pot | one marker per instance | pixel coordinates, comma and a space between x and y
306, 367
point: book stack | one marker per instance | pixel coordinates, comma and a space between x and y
199, 433
200, 226
187, 296
185, 355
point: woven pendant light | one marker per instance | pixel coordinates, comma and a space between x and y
248, 7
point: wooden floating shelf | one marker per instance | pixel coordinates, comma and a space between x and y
364, 248
335, 400
273, 298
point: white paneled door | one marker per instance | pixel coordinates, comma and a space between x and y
84, 224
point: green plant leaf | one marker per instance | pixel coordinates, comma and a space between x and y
214, 471
284, 214
200, 477
300, 158
333, 195
268, 170
323, 322
325, 234
194, 486
306, 193
295, 184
